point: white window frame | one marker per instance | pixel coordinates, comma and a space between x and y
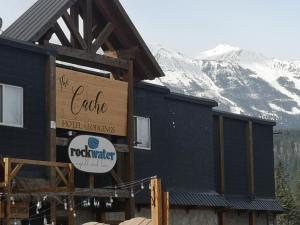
3, 123
149, 131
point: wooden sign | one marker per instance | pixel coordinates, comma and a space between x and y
90, 103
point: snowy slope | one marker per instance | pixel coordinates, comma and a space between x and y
241, 81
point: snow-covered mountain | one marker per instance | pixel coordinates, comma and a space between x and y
241, 81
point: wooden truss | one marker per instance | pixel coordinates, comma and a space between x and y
81, 45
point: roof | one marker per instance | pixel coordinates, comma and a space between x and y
37, 20
244, 117
257, 204
175, 96
26, 46
192, 99
197, 199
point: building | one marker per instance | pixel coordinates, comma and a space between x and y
77, 123
218, 167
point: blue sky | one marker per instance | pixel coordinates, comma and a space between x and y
271, 27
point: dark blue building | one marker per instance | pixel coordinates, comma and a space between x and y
217, 166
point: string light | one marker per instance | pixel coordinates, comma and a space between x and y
39, 205
108, 204
45, 220
12, 199
124, 186
65, 205
116, 194
132, 193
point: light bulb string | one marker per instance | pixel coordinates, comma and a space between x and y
123, 186
129, 185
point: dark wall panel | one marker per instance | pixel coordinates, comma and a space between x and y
27, 69
235, 157
263, 160
181, 137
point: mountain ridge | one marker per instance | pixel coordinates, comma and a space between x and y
242, 81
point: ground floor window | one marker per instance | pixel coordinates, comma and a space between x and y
11, 105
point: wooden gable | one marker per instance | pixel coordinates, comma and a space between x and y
94, 33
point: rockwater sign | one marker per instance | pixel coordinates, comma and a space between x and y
92, 154
90, 103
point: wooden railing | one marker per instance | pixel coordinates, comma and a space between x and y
63, 180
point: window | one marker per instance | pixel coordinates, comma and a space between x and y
11, 105
142, 135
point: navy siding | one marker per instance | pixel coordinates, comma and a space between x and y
235, 157
27, 69
181, 137
263, 160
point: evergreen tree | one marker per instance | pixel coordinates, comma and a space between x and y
285, 197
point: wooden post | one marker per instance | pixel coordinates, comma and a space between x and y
129, 157
166, 209
156, 202
8, 189
221, 162
221, 218
249, 138
252, 218
91, 181
251, 187
71, 219
51, 125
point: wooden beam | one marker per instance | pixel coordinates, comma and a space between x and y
39, 163
8, 188
156, 202
252, 218
249, 139
41, 190
71, 188
16, 170
91, 181
74, 30
87, 192
119, 147
129, 158
116, 176
221, 218
221, 159
166, 209
73, 22
61, 175
81, 57
88, 23
102, 37
61, 35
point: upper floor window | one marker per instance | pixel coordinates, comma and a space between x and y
142, 133
11, 105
